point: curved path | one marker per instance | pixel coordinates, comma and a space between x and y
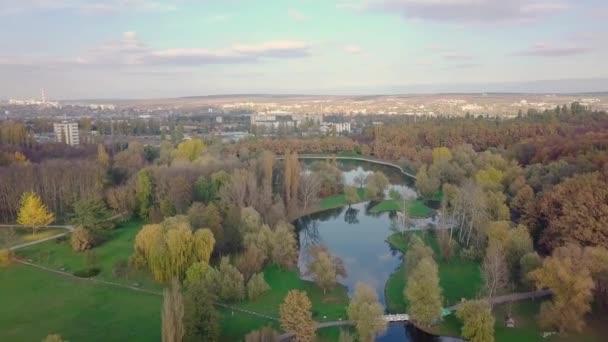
513, 297
366, 159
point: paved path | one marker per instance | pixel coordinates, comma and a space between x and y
371, 160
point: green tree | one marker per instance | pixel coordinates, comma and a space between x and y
296, 316
477, 321
423, 292
172, 314
201, 319
416, 252
366, 311
145, 192
33, 212
284, 248
528, 263
376, 183
426, 184
196, 273
231, 282
92, 214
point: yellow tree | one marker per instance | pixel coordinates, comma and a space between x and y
296, 316
33, 212
190, 150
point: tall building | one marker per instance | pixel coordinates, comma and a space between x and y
67, 132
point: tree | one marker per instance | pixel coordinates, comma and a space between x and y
144, 192
575, 211
495, 270
423, 292
211, 218
426, 184
256, 286
296, 316
284, 247
477, 321
376, 183
351, 195
310, 185
291, 179
196, 273
366, 311
565, 272
82, 239
325, 268
266, 334
201, 319
195, 215
53, 338
172, 314
528, 263
203, 243
416, 252
33, 212
231, 282
250, 261
190, 150
91, 214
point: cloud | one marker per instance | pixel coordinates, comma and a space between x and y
353, 49
552, 50
463, 66
457, 57
11, 7
129, 50
295, 15
468, 11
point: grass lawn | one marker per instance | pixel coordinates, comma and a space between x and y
458, 278
60, 256
326, 307
339, 200
24, 235
436, 197
526, 325
37, 303
415, 208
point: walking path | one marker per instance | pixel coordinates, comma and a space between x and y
366, 159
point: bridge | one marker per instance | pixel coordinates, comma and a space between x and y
365, 159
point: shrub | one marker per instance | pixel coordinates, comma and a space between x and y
82, 239
257, 286
6, 257
120, 269
87, 272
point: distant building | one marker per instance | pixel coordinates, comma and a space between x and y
67, 132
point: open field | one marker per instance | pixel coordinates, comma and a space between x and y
458, 278
339, 200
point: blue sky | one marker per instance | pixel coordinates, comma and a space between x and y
166, 48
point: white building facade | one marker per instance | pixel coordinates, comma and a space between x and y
67, 132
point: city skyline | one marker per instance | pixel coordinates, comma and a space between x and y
141, 48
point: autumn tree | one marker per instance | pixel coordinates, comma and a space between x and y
495, 270
190, 150
172, 314
296, 316
266, 334
367, 313
423, 292
231, 282
201, 318
351, 195
250, 261
308, 192
375, 185
527, 264
145, 193
33, 213
575, 211
324, 267
477, 320
284, 247
416, 252
256, 286
291, 179
567, 275
53, 338
426, 184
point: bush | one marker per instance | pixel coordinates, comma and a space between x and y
6, 257
257, 286
82, 239
120, 269
88, 272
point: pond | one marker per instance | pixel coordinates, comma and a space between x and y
358, 237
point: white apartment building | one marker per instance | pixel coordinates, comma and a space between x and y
67, 132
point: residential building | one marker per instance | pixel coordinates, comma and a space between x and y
67, 132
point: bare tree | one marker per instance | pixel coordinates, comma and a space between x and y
495, 270
308, 190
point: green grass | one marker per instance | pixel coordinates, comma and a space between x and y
526, 325
458, 278
325, 307
415, 208
36, 303
339, 200
436, 197
60, 256
24, 235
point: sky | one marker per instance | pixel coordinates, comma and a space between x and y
78, 49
